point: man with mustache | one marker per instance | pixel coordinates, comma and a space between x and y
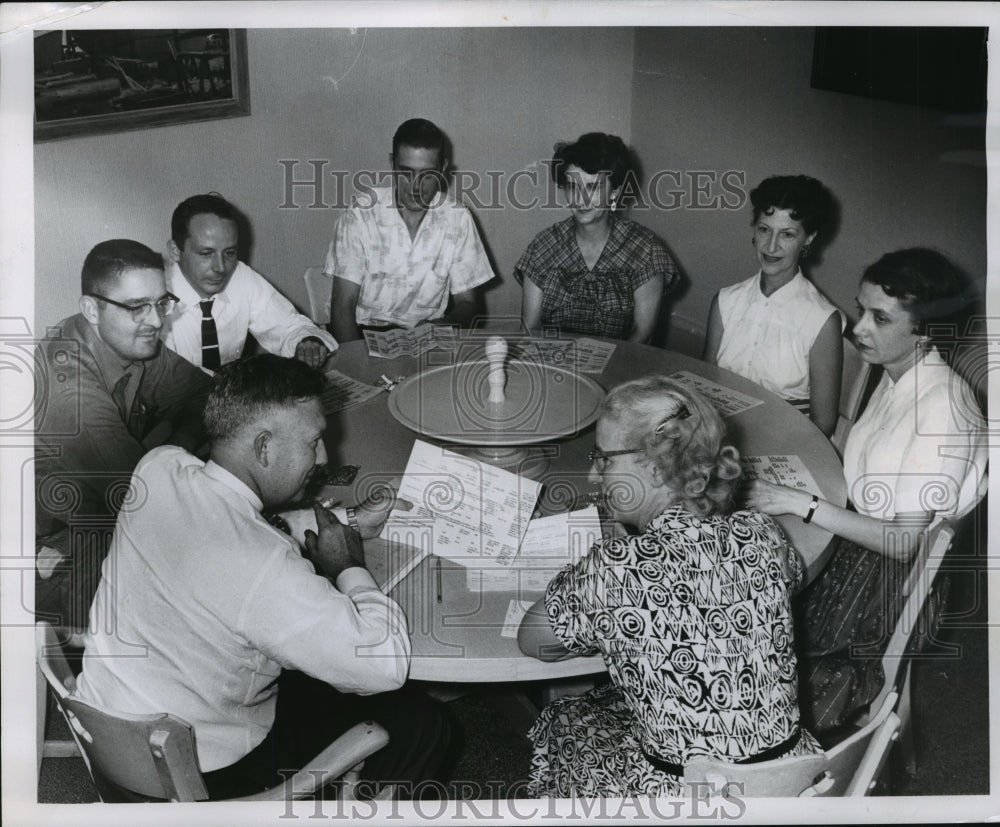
268, 653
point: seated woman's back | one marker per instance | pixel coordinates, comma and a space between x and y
691, 612
693, 620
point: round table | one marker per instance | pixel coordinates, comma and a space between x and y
459, 638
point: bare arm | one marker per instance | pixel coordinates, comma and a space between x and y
535, 636
343, 309
465, 308
897, 538
531, 307
826, 363
713, 337
647, 310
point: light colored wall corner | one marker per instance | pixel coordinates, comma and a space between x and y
712, 102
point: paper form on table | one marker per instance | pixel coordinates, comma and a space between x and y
781, 469
728, 401
583, 355
342, 391
463, 510
389, 344
549, 544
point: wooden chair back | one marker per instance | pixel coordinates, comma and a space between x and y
151, 756
855, 377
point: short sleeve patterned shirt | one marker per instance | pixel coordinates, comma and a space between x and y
692, 618
598, 302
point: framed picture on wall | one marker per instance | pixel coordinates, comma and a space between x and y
938, 67
91, 81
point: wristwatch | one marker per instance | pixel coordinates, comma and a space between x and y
806, 519
352, 518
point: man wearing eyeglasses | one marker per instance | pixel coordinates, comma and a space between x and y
106, 391
403, 253
221, 299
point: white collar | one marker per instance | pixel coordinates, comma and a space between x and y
181, 287
234, 483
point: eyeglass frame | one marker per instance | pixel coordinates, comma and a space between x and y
597, 454
144, 307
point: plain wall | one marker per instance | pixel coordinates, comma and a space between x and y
696, 103
503, 96
717, 100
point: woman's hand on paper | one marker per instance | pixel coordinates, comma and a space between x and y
775, 499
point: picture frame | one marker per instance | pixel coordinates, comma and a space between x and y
89, 82
937, 67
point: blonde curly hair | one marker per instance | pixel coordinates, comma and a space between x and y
682, 433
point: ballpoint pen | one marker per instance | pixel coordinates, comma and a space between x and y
438, 560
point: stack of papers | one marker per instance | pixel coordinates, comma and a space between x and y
464, 510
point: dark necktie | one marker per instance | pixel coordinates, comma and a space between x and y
209, 338
277, 521
137, 415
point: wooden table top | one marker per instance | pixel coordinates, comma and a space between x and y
459, 639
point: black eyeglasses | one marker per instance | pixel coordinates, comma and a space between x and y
602, 458
162, 305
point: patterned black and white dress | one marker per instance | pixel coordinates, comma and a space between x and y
692, 617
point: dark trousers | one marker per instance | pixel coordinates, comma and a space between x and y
311, 714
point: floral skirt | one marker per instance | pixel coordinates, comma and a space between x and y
586, 746
844, 620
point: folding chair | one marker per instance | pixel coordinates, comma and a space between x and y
153, 757
849, 769
896, 663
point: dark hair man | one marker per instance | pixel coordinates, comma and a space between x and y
106, 391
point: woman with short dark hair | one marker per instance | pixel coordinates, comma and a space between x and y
595, 273
915, 455
691, 613
776, 328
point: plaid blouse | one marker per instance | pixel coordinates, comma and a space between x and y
598, 302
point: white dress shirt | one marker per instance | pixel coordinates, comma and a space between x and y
202, 603
920, 445
249, 303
